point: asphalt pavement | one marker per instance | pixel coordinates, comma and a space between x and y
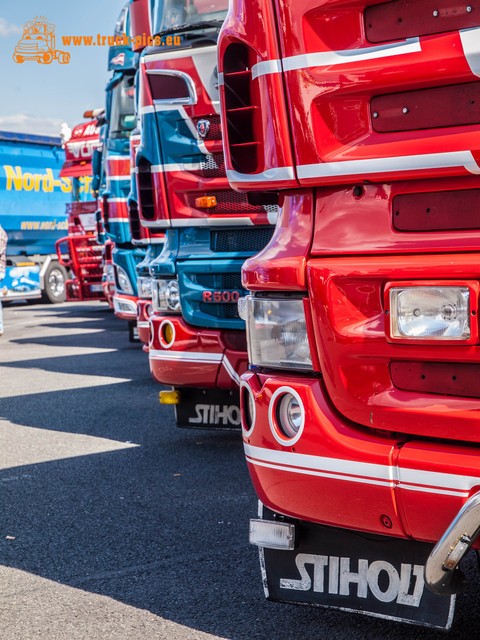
115, 524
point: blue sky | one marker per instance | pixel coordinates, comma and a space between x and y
37, 98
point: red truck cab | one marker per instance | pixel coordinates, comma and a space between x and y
80, 251
361, 405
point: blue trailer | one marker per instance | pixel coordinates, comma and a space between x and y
32, 212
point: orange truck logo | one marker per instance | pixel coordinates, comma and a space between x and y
38, 43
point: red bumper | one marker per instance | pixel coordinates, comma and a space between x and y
108, 292
194, 357
144, 311
125, 307
341, 474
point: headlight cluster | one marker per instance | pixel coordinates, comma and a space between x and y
144, 286
276, 332
166, 296
123, 281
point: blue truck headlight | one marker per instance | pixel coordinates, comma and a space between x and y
276, 332
123, 281
430, 312
166, 296
144, 287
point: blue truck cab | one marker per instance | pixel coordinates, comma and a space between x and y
197, 339
119, 123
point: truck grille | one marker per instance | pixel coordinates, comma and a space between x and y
212, 167
220, 281
230, 202
241, 240
145, 190
215, 130
227, 311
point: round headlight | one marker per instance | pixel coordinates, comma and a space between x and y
289, 415
286, 416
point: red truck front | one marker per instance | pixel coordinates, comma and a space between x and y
360, 409
80, 251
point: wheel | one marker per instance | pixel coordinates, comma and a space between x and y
55, 280
17, 58
63, 57
46, 58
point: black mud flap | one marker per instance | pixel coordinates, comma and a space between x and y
133, 331
208, 409
357, 572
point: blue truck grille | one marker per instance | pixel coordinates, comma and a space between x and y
227, 311
201, 282
220, 281
241, 240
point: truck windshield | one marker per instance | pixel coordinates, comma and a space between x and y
122, 120
176, 13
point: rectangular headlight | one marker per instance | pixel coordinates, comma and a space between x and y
109, 272
144, 286
276, 332
430, 312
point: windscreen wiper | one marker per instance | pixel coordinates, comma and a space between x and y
215, 24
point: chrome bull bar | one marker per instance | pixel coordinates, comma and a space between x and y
441, 573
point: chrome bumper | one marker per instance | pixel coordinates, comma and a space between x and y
441, 573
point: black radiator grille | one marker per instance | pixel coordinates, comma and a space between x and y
224, 311
253, 240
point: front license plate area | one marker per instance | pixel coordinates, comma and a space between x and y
208, 409
357, 572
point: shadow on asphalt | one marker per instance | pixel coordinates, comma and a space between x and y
162, 526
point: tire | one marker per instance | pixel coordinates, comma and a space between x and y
46, 58
63, 57
55, 284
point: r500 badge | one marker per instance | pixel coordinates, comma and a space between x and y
222, 296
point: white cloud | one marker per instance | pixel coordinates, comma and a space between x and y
23, 123
7, 29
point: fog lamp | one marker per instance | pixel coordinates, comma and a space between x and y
272, 535
289, 415
247, 402
166, 334
286, 415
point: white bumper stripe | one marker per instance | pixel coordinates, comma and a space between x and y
363, 473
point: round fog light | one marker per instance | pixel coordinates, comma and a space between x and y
287, 416
166, 334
